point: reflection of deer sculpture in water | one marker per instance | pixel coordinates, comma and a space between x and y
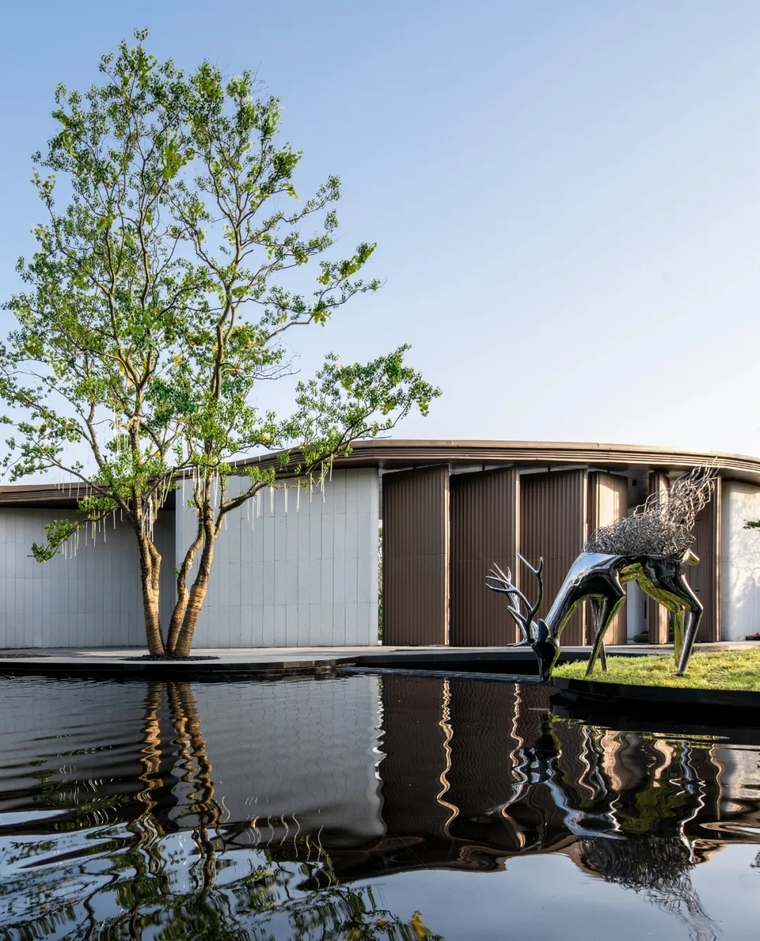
651, 547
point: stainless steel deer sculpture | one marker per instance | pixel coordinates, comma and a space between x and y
651, 547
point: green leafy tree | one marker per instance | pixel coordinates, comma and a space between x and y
155, 303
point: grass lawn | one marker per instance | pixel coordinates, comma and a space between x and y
727, 669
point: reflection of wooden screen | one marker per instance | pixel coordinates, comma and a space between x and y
416, 557
553, 525
608, 502
416, 759
485, 512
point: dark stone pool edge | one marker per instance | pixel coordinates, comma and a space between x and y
168, 670
624, 696
507, 663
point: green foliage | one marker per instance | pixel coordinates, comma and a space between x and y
726, 669
154, 302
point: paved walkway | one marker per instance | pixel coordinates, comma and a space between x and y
280, 660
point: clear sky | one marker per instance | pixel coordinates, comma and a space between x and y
564, 193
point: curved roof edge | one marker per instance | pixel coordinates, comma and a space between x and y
400, 453
397, 452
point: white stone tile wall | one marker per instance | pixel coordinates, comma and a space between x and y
307, 576
740, 561
91, 599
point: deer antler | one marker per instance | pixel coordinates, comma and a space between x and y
503, 583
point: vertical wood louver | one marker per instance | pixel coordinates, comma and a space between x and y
704, 578
416, 557
607, 503
553, 511
657, 615
485, 521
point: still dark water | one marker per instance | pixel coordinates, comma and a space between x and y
385, 807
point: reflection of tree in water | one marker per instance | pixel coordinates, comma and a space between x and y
657, 868
181, 877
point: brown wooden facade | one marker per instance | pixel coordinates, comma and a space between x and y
416, 557
485, 526
442, 531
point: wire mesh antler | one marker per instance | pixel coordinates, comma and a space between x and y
663, 524
500, 581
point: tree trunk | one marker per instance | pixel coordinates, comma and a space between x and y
196, 595
183, 593
150, 570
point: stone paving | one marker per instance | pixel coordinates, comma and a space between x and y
279, 660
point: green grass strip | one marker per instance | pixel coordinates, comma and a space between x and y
726, 669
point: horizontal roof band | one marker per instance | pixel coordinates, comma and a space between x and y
393, 454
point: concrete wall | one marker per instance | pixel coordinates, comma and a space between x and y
302, 576
740, 561
91, 599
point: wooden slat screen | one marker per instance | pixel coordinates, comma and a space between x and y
485, 520
657, 616
416, 557
553, 525
704, 578
607, 503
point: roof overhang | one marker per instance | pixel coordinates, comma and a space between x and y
400, 453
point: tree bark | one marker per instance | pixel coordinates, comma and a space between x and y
183, 593
197, 592
150, 570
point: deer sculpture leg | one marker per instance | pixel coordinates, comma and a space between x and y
686, 626
665, 582
604, 608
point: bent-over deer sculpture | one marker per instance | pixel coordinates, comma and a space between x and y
651, 547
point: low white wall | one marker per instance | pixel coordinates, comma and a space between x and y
91, 599
740, 561
305, 576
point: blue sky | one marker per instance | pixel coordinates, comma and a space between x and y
564, 194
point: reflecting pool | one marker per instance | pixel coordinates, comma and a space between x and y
380, 807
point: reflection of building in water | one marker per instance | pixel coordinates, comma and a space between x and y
489, 775
740, 780
361, 777
475, 772
297, 759
385, 774
287, 760
450, 763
